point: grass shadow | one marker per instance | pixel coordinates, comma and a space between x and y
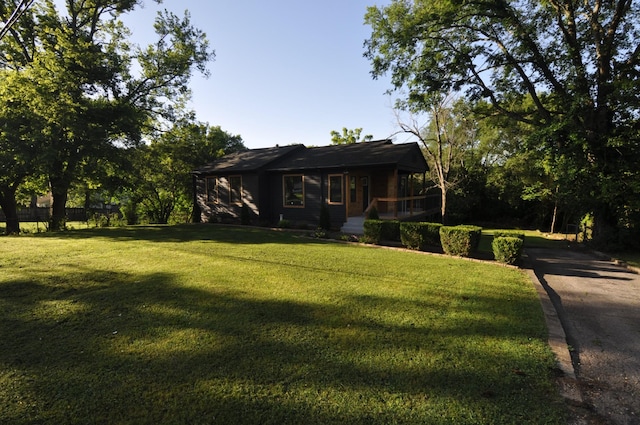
119, 347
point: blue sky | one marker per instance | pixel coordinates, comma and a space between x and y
286, 71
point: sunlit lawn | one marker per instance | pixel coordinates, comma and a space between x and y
209, 324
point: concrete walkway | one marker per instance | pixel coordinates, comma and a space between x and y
593, 311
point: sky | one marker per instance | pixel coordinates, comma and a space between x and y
285, 71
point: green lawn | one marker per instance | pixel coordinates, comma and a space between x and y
210, 324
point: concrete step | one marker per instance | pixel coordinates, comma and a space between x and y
353, 226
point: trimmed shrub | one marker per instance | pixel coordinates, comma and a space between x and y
508, 234
507, 249
245, 215
373, 231
284, 224
325, 217
460, 240
420, 235
373, 214
391, 230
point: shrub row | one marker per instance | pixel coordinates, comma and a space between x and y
420, 235
460, 240
457, 240
379, 230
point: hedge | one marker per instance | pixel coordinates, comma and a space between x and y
460, 240
378, 230
372, 231
507, 249
420, 235
508, 234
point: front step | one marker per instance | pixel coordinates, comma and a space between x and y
354, 226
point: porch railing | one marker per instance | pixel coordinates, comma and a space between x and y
404, 207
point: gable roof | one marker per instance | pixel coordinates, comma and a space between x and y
248, 160
382, 153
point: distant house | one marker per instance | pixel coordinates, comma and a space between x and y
292, 182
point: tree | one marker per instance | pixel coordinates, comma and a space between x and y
446, 135
575, 63
82, 68
348, 136
20, 151
163, 183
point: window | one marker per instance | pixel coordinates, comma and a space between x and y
212, 190
293, 190
352, 189
335, 189
235, 190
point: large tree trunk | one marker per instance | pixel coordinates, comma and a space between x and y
10, 208
58, 218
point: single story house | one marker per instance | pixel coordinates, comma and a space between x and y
293, 182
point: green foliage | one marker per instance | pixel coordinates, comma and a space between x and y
91, 91
391, 230
348, 136
107, 220
508, 234
129, 211
325, 217
161, 176
373, 214
320, 233
373, 230
420, 235
245, 215
578, 120
507, 249
284, 224
460, 240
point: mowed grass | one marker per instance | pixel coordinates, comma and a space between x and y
206, 324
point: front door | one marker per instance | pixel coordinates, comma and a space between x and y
359, 194
364, 183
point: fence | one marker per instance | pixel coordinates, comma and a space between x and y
43, 214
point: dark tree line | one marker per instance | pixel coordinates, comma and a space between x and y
563, 74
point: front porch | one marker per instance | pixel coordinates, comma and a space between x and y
405, 208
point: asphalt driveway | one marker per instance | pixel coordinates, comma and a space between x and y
593, 311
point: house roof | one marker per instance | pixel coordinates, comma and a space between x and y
248, 160
382, 153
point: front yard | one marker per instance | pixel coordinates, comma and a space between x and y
209, 324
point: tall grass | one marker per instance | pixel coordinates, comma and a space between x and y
209, 324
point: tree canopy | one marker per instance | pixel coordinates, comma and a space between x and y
568, 70
349, 136
92, 90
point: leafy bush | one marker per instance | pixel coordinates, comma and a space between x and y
284, 224
129, 211
325, 217
320, 233
507, 249
373, 231
373, 214
460, 240
391, 230
508, 234
245, 215
420, 235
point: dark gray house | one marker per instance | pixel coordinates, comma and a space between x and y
292, 183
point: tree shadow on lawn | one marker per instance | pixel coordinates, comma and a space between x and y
192, 232
106, 347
